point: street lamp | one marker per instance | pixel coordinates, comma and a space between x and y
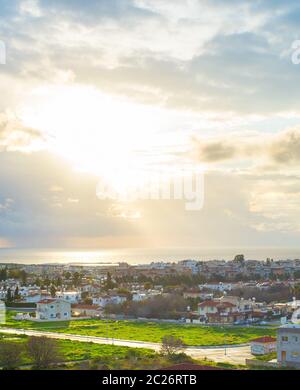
225, 348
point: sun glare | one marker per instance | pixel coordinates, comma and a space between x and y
97, 133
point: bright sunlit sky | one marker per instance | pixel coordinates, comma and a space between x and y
114, 90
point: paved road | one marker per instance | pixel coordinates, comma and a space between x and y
235, 354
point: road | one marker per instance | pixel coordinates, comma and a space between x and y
235, 354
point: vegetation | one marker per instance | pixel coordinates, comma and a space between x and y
266, 358
171, 346
277, 293
10, 355
82, 355
43, 351
171, 306
148, 331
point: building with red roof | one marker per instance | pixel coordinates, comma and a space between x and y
263, 345
53, 310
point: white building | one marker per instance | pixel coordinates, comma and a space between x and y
70, 296
2, 312
53, 310
288, 346
3, 293
86, 310
35, 298
217, 286
109, 300
101, 300
191, 265
263, 345
139, 296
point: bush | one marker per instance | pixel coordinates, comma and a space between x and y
43, 351
10, 355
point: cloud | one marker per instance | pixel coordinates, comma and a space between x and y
285, 149
225, 58
214, 151
14, 136
272, 150
169, 53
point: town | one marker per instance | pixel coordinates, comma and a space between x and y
246, 303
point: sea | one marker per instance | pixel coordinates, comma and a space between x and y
140, 255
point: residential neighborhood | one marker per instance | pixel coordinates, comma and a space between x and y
186, 294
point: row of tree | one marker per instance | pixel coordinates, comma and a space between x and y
169, 306
6, 273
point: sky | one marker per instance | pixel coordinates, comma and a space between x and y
115, 92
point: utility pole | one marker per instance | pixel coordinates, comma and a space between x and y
225, 349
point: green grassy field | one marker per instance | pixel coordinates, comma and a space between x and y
77, 351
149, 331
82, 355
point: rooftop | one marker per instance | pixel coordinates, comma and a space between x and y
263, 340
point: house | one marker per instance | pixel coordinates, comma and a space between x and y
216, 287
188, 265
35, 297
105, 300
223, 310
53, 310
79, 310
70, 296
194, 294
139, 296
241, 304
217, 312
214, 306
2, 312
263, 345
288, 346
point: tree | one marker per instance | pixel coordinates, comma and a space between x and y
43, 351
67, 275
17, 294
296, 290
58, 282
239, 259
147, 286
10, 355
76, 279
172, 345
88, 301
23, 277
47, 283
3, 274
53, 291
9, 297
109, 284
84, 295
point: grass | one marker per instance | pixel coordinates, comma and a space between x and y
148, 331
81, 351
81, 355
266, 358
